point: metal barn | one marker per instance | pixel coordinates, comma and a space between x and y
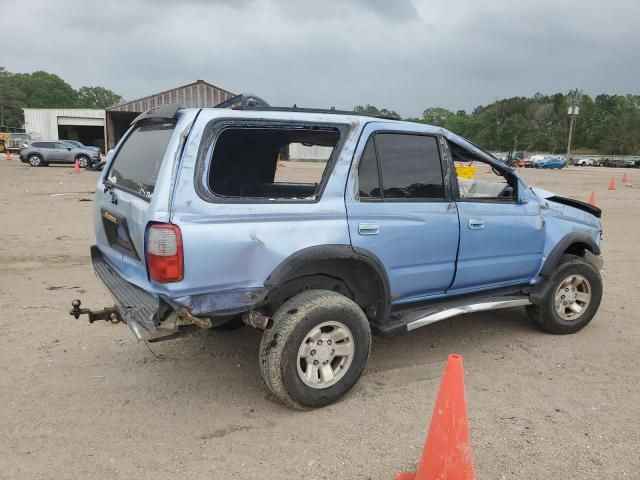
82, 124
196, 94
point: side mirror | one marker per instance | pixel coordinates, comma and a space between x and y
69, 149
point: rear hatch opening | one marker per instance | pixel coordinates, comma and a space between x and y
124, 205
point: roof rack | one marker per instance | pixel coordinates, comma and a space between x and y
246, 101
243, 101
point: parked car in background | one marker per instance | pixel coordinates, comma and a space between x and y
41, 154
77, 144
524, 162
550, 162
617, 163
585, 162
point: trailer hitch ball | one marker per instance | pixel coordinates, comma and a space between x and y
76, 311
107, 313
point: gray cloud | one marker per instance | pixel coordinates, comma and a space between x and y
404, 55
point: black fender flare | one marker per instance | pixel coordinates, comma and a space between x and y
554, 257
332, 252
553, 260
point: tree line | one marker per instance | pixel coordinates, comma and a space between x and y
45, 90
606, 124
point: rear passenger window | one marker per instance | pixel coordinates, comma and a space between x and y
271, 163
410, 167
368, 179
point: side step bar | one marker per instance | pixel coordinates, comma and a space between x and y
407, 319
474, 307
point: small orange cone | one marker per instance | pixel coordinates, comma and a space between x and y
624, 177
8, 155
447, 450
76, 167
612, 183
592, 199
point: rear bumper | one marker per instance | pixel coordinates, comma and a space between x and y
140, 310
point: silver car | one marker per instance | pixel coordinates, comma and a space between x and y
42, 153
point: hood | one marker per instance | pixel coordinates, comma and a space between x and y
552, 197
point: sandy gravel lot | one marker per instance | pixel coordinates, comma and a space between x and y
88, 401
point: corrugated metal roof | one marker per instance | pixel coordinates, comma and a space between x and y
196, 94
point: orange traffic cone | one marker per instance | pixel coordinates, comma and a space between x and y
612, 183
624, 177
76, 167
447, 451
8, 155
592, 199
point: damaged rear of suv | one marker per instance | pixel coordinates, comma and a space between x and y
201, 222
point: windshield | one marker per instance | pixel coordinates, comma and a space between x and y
137, 161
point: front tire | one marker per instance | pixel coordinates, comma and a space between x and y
316, 349
572, 297
83, 161
35, 160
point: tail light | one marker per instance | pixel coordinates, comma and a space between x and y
164, 253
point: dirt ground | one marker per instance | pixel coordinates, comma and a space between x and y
88, 401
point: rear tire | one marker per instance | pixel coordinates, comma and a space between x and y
316, 350
572, 298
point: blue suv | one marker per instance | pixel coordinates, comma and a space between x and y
320, 227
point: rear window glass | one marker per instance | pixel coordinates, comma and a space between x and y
272, 162
137, 162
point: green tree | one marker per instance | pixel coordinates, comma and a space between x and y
11, 101
45, 90
373, 110
436, 116
97, 97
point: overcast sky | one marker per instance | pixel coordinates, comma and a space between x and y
400, 54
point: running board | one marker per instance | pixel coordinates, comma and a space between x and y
474, 307
402, 321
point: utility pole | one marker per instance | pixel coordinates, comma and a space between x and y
574, 109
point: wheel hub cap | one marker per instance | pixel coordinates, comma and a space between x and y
572, 297
325, 355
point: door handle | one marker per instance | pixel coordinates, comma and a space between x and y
368, 229
476, 224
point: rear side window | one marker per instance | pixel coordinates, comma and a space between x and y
137, 162
271, 163
368, 178
409, 164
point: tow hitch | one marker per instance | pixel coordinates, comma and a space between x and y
109, 314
